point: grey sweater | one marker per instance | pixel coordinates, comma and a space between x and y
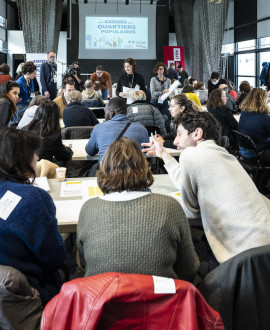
147, 235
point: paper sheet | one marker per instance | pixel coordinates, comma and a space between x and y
128, 91
171, 89
68, 211
42, 182
90, 189
71, 189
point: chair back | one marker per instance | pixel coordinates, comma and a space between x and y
239, 290
128, 301
20, 304
77, 132
246, 142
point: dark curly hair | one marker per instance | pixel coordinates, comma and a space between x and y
17, 148
155, 69
28, 67
188, 89
191, 120
124, 167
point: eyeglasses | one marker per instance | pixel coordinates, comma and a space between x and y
99, 72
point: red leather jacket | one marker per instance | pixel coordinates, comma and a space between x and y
127, 301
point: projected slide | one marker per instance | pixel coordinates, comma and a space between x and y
116, 33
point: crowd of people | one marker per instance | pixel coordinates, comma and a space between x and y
129, 229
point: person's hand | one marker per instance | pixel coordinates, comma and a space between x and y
19, 100
122, 94
47, 94
155, 147
165, 91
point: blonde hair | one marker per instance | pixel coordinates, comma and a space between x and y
255, 101
138, 95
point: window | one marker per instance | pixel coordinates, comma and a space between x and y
227, 49
246, 64
246, 45
265, 42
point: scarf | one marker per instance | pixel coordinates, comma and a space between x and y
53, 69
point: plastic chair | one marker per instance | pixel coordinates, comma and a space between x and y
77, 132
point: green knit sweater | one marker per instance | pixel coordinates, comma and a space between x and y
147, 235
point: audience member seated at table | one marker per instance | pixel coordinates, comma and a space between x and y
4, 73
192, 81
29, 238
130, 79
216, 106
144, 113
68, 86
230, 99
130, 229
179, 103
201, 92
46, 125
106, 133
90, 97
76, 114
31, 110
214, 82
9, 94
255, 122
189, 91
244, 89
216, 188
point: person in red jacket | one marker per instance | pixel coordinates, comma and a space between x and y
4, 73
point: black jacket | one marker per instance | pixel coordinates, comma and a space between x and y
211, 86
239, 290
5, 111
226, 119
124, 81
52, 147
76, 114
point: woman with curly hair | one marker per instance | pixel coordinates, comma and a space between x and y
216, 106
255, 122
9, 94
137, 231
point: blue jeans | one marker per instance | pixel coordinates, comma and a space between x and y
105, 94
18, 114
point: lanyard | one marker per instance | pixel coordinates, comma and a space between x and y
130, 83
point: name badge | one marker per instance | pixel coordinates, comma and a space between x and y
160, 100
137, 87
32, 95
55, 80
8, 203
135, 109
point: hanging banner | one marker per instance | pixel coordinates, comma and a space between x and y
38, 59
174, 54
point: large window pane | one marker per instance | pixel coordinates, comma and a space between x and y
228, 48
264, 57
265, 43
246, 64
251, 80
246, 45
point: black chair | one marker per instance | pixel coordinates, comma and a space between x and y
77, 132
254, 166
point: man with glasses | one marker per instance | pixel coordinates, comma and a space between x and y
102, 82
48, 76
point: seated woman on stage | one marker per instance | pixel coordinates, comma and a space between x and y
130, 229
46, 125
29, 238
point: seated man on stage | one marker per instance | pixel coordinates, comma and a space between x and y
216, 188
116, 120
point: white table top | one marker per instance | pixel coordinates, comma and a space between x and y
78, 147
68, 208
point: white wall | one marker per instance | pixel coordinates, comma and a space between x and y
16, 46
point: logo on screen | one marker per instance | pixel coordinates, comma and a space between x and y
176, 54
